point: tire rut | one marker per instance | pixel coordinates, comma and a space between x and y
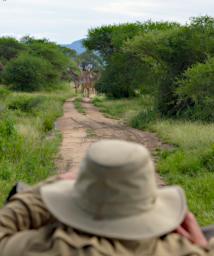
79, 131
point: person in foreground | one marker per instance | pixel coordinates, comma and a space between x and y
114, 207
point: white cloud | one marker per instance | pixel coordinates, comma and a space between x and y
158, 9
129, 8
67, 20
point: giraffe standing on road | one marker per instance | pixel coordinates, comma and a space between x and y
76, 79
86, 83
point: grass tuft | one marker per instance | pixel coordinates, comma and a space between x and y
27, 151
78, 105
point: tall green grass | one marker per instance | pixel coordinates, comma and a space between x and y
28, 142
78, 105
191, 161
126, 109
191, 164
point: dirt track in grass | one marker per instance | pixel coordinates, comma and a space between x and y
79, 131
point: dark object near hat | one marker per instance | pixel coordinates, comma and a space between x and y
18, 187
208, 231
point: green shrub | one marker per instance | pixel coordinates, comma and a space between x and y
78, 105
50, 52
27, 151
2, 108
9, 48
121, 78
20, 103
3, 95
26, 103
181, 163
10, 141
143, 118
197, 85
4, 92
190, 163
39, 106
28, 73
167, 54
207, 159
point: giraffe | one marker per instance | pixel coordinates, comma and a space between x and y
88, 82
94, 78
76, 79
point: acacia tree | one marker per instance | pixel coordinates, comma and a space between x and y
123, 73
9, 49
33, 64
197, 84
28, 73
168, 54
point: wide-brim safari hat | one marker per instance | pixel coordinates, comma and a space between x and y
116, 196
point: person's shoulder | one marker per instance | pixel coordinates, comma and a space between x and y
211, 244
175, 244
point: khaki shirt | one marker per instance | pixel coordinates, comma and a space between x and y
28, 229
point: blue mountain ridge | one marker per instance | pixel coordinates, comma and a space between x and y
77, 46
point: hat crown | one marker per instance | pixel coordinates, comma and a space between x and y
116, 180
115, 195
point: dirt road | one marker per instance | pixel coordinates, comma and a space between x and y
79, 131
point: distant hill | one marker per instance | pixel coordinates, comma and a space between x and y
77, 46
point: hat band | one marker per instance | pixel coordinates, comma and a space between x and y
114, 210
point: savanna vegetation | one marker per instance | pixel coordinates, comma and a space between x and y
28, 143
34, 77
34, 64
159, 76
167, 60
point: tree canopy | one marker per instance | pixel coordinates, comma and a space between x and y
151, 57
33, 64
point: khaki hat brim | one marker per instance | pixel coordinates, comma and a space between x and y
166, 215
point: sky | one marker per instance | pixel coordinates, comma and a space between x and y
65, 21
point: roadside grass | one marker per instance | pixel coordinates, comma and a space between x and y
125, 109
28, 142
191, 162
90, 133
78, 105
191, 165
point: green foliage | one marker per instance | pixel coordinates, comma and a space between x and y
99, 39
109, 39
117, 79
124, 73
190, 164
125, 109
9, 49
26, 103
144, 118
9, 139
4, 92
169, 53
50, 52
27, 148
197, 85
151, 57
207, 159
32, 64
39, 106
78, 105
28, 73
138, 112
